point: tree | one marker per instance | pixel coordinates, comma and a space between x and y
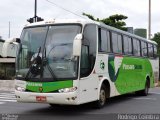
114, 20
156, 38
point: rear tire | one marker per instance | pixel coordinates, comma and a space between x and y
102, 98
146, 89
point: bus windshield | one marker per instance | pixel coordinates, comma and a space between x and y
46, 52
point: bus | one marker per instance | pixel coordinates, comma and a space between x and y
72, 62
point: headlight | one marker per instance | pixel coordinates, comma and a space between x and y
65, 90
18, 88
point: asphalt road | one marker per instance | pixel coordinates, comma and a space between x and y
131, 105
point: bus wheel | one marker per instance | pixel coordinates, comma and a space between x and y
145, 91
102, 97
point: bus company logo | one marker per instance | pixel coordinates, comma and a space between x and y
128, 67
132, 67
40, 89
102, 65
34, 84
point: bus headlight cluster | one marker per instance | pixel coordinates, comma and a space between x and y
65, 90
18, 88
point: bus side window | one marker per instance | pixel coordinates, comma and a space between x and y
155, 51
144, 49
85, 64
127, 45
119, 42
116, 43
104, 41
130, 46
150, 50
136, 47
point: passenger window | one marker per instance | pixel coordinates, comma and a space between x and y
150, 50
104, 41
119, 43
130, 45
116, 43
155, 51
144, 48
127, 43
136, 47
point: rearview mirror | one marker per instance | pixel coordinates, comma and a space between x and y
77, 45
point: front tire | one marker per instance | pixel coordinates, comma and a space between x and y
102, 97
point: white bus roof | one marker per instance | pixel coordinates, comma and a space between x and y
61, 21
86, 21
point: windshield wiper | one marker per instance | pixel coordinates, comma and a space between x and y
35, 67
45, 62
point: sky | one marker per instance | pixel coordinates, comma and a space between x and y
18, 11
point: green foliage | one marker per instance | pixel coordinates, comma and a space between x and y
156, 38
89, 16
114, 20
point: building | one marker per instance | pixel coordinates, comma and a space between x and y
7, 64
130, 30
141, 32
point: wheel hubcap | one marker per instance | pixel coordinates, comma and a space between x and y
102, 97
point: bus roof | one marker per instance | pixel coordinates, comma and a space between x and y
84, 22
61, 21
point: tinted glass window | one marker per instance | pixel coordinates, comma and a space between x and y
89, 43
130, 45
136, 47
155, 51
116, 43
104, 41
119, 43
150, 50
127, 43
144, 48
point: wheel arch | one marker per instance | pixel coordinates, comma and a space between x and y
107, 84
148, 81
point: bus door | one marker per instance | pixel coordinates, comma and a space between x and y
88, 83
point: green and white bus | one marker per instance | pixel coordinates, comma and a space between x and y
72, 62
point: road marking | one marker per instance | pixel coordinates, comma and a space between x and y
13, 96
4, 98
7, 97
7, 93
8, 100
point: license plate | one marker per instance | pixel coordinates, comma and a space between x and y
41, 98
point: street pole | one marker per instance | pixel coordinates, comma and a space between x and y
35, 12
35, 18
149, 21
9, 32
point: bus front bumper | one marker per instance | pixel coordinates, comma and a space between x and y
53, 98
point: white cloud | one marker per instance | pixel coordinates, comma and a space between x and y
18, 11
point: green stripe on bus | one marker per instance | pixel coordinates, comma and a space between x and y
48, 86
